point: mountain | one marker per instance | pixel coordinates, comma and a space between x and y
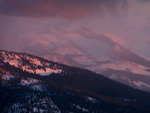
126, 67
32, 84
106, 56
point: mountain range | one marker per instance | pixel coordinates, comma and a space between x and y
30, 84
106, 56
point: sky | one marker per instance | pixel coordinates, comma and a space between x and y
125, 21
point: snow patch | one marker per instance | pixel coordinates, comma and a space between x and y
81, 108
37, 87
7, 77
32, 83
93, 100
35, 61
84, 60
29, 81
127, 66
48, 71
118, 48
69, 51
140, 84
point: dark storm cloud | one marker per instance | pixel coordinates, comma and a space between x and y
64, 8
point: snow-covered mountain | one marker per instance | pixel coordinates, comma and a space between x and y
125, 66
106, 56
31, 84
86, 48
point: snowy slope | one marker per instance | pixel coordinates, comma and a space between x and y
28, 63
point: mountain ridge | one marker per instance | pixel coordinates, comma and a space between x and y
76, 81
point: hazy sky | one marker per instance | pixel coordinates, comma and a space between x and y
127, 21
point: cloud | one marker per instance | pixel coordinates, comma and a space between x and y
144, 0
61, 8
